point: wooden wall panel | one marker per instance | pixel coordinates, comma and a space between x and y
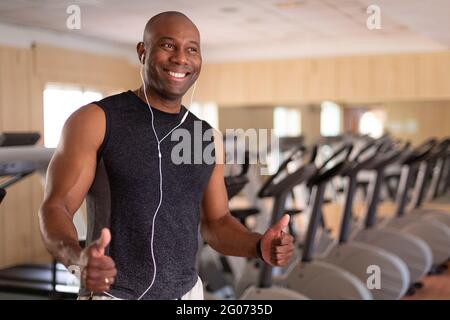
23, 76
290, 86
71, 66
406, 76
16, 210
434, 75
362, 79
259, 82
320, 79
232, 78
417, 121
353, 78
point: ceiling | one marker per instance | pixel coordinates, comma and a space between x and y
254, 29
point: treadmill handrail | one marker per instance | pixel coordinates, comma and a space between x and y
266, 188
420, 152
16, 160
392, 156
356, 164
439, 150
323, 174
345, 147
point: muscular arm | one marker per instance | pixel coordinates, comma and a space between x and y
69, 176
226, 235
219, 228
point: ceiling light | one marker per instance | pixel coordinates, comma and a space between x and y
290, 4
229, 9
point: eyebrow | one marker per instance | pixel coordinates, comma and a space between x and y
172, 39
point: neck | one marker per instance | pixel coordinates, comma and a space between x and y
158, 102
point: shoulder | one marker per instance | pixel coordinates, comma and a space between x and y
91, 119
86, 126
86, 115
114, 100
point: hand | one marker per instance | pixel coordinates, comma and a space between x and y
277, 247
99, 271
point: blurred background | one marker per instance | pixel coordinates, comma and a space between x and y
310, 68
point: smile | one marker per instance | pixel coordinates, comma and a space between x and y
177, 75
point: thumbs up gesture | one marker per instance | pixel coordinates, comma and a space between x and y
277, 247
99, 271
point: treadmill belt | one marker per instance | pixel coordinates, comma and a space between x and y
37, 278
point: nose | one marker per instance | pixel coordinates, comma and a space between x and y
179, 57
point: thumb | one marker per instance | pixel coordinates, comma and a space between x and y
281, 224
101, 243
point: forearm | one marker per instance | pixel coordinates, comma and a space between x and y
59, 234
229, 237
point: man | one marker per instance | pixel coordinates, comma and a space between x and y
143, 209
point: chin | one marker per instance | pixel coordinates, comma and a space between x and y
173, 94
176, 92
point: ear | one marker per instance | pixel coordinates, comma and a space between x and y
140, 48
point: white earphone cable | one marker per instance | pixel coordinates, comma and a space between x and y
160, 178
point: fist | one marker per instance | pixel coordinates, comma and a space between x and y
99, 271
277, 247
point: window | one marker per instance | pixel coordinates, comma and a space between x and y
59, 103
330, 119
372, 123
287, 122
206, 111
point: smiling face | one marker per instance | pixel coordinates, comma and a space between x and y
172, 55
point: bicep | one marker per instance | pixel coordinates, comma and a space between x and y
73, 165
215, 197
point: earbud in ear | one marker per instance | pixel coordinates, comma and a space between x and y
142, 58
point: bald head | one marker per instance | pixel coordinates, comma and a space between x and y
165, 19
170, 54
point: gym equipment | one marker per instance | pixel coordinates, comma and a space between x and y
314, 279
357, 257
415, 253
2, 194
264, 290
17, 162
217, 270
427, 227
8, 139
441, 171
213, 265
427, 183
234, 185
443, 183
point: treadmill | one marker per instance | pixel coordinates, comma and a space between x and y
20, 158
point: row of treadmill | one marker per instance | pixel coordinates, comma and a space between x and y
373, 256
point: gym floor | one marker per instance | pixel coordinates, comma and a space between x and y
436, 287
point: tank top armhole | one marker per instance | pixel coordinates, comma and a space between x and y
102, 147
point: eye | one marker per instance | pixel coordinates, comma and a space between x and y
193, 50
168, 45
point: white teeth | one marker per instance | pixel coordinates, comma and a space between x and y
177, 75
